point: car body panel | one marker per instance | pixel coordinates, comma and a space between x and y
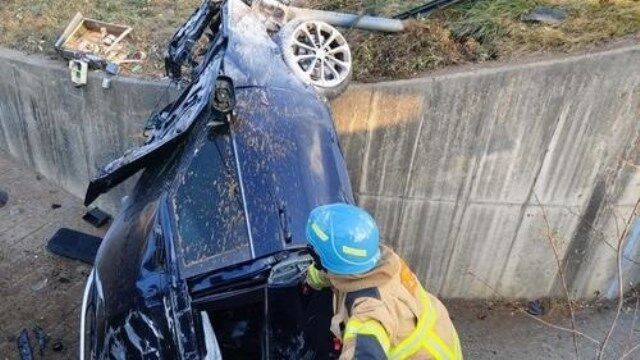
222, 200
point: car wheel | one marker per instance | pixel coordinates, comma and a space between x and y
318, 54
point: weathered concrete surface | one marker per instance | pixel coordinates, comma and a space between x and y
41, 289
497, 332
450, 165
38, 288
453, 166
68, 133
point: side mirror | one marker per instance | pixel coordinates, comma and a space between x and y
224, 95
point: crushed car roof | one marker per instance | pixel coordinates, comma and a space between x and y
254, 175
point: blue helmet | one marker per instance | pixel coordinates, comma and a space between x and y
345, 238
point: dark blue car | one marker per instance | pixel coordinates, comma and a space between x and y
207, 256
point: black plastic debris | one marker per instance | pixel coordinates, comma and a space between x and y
425, 9
545, 15
24, 346
535, 308
56, 206
4, 198
42, 339
96, 217
74, 245
57, 346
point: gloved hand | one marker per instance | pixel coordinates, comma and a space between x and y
305, 287
316, 279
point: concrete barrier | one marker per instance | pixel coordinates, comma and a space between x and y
463, 170
68, 133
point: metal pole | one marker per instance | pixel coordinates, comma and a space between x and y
364, 22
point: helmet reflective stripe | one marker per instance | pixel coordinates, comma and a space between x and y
342, 255
321, 234
354, 251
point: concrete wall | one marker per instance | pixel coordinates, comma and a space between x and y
68, 133
451, 165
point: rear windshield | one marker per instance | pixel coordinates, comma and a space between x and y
209, 213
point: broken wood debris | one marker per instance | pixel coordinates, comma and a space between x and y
98, 43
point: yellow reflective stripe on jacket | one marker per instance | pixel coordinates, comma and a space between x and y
458, 349
316, 279
370, 327
414, 342
423, 337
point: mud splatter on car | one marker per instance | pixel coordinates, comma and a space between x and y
208, 252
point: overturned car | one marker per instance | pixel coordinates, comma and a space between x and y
206, 258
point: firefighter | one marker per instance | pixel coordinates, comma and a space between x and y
380, 308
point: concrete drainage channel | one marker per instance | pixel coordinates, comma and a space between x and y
44, 291
519, 181
452, 166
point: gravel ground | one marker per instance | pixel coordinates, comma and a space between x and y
502, 334
41, 289
38, 288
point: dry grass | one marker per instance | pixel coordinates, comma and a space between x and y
34, 25
471, 31
480, 30
496, 25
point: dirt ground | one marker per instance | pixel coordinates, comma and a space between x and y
496, 332
38, 288
41, 289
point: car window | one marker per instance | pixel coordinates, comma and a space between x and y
208, 207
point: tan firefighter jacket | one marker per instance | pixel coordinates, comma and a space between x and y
386, 313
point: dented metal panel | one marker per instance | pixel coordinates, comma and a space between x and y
290, 162
222, 200
169, 126
180, 47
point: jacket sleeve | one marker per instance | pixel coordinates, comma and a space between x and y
366, 334
316, 278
